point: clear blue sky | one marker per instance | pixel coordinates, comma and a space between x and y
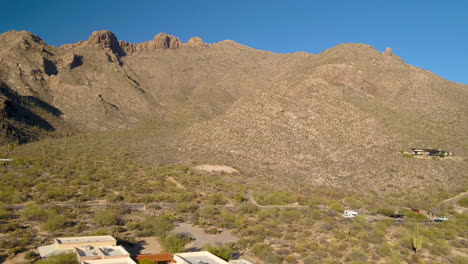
430, 34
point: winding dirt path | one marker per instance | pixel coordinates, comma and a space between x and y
454, 200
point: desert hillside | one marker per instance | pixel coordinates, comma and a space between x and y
135, 140
339, 118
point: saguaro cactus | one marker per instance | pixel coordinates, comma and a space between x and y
416, 239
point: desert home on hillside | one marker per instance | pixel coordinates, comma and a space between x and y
89, 250
430, 152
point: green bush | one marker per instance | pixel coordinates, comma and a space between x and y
4, 212
248, 208
223, 252
463, 202
107, 218
157, 225
58, 193
55, 222
266, 253
357, 255
34, 212
30, 255
458, 260
10, 195
336, 206
414, 215
174, 244
69, 258
186, 207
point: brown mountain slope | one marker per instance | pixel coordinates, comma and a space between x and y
338, 118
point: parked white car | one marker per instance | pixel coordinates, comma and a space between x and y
441, 219
350, 213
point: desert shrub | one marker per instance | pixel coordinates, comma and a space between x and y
357, 255
216, 199
336, 206
352, 202
414, 215
186, 207
55, 222
230, 220
157, 225
312, 260
58, 193
133, 225
290, 259
212, 230
4, 212
174, 244
458, 260
69, 258
223, 252
289, 216
248, 208
10, 195
266, 253
276, 198
9, 226
463, 202
384, 249
34, 212
30, 255
107, 218
440, 247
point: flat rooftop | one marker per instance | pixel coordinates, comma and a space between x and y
86, 239
101, 251
109, 261
201, 257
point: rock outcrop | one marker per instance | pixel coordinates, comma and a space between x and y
388, 51
160, 41
105, 39
196, 42
69, 61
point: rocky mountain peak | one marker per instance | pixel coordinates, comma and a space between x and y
105, 39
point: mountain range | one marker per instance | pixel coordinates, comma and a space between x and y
340, 118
